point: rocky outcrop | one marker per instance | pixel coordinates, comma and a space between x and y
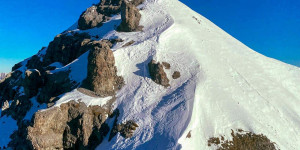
32, 82
126, 129
9, 85
102, 75
16, 66
90, 18
242, 140
65, 48
96, 15
18, 108
55, 85
71, 126
158, 74
130, 16
35, 63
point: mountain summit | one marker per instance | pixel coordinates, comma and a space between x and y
149, 74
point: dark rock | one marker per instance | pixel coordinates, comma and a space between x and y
18, 108
35, 63
158, 74
65, 48
166, 65
137, 2
90, 18
9, 86
128, 43
114, 130
102, 75
70, 126
176, 75
130, 16
55, 85
125, 129
96, 15
116, 40
242, 140
16, 66
19, 137
32, 82
189, 135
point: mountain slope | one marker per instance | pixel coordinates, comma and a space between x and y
223, 84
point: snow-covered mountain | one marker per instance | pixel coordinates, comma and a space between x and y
212, 84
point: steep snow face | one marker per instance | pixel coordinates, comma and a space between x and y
224, 85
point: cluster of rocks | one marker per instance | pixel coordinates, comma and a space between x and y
72, 124
158, 74
126, 129
100, 13
242, 140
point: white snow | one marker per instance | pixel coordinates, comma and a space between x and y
224, 84
80, 97
77, 68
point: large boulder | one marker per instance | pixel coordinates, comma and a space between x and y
102, 75
65, 48
71, 126
158, 74
130, 16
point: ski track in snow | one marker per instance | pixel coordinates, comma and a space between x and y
224, 84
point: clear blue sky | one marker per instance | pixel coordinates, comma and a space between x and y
267, 26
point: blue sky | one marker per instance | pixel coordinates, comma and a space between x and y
267, 26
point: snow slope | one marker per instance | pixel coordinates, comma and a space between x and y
224, 84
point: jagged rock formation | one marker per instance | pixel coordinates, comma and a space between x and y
96, 15
18, 108
55, 84
130, 17
7, 90
35, 62
65, 48
102, 75
32, 82
158, 74
71, 126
